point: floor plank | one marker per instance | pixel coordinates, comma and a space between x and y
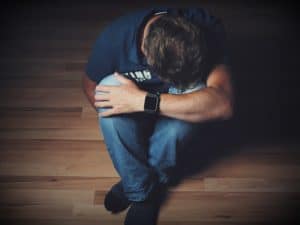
54, 165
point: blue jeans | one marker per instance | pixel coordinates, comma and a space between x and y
143, 147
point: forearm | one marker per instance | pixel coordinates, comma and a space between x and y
88, 87
90, 94
206, 104
213, 102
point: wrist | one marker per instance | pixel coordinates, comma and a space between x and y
141, 101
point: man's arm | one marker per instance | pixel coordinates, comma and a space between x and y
213, 102
89, 87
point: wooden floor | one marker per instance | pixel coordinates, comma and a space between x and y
54, 167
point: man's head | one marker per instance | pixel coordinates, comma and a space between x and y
176, 50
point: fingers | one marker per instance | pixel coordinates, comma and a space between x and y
101, 97
105, 88
103, 104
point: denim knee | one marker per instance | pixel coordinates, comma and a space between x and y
170, 137
195, 87
109, 80
178, 130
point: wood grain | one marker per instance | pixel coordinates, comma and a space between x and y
54, 165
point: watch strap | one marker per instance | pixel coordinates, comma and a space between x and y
152, 102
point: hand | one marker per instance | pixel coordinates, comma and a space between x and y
125, 98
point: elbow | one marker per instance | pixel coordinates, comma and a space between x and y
84, 84
227, 111
88, 86
228, 114
85, 90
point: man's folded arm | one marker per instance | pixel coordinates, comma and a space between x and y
210, 103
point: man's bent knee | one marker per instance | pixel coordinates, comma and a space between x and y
109, 80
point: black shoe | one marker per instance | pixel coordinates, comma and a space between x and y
146, 212
115, 200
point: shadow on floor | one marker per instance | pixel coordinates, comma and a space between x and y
216, 140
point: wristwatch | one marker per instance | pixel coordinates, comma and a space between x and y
152, 101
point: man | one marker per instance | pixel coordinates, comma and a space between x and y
170, 75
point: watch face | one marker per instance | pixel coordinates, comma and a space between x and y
151, 102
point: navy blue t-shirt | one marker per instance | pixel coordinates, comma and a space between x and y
117, 49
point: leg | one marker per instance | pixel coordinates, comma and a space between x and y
126, 138
171, 136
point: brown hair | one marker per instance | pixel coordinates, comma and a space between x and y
177, 50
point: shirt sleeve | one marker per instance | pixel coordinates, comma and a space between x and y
102, 59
